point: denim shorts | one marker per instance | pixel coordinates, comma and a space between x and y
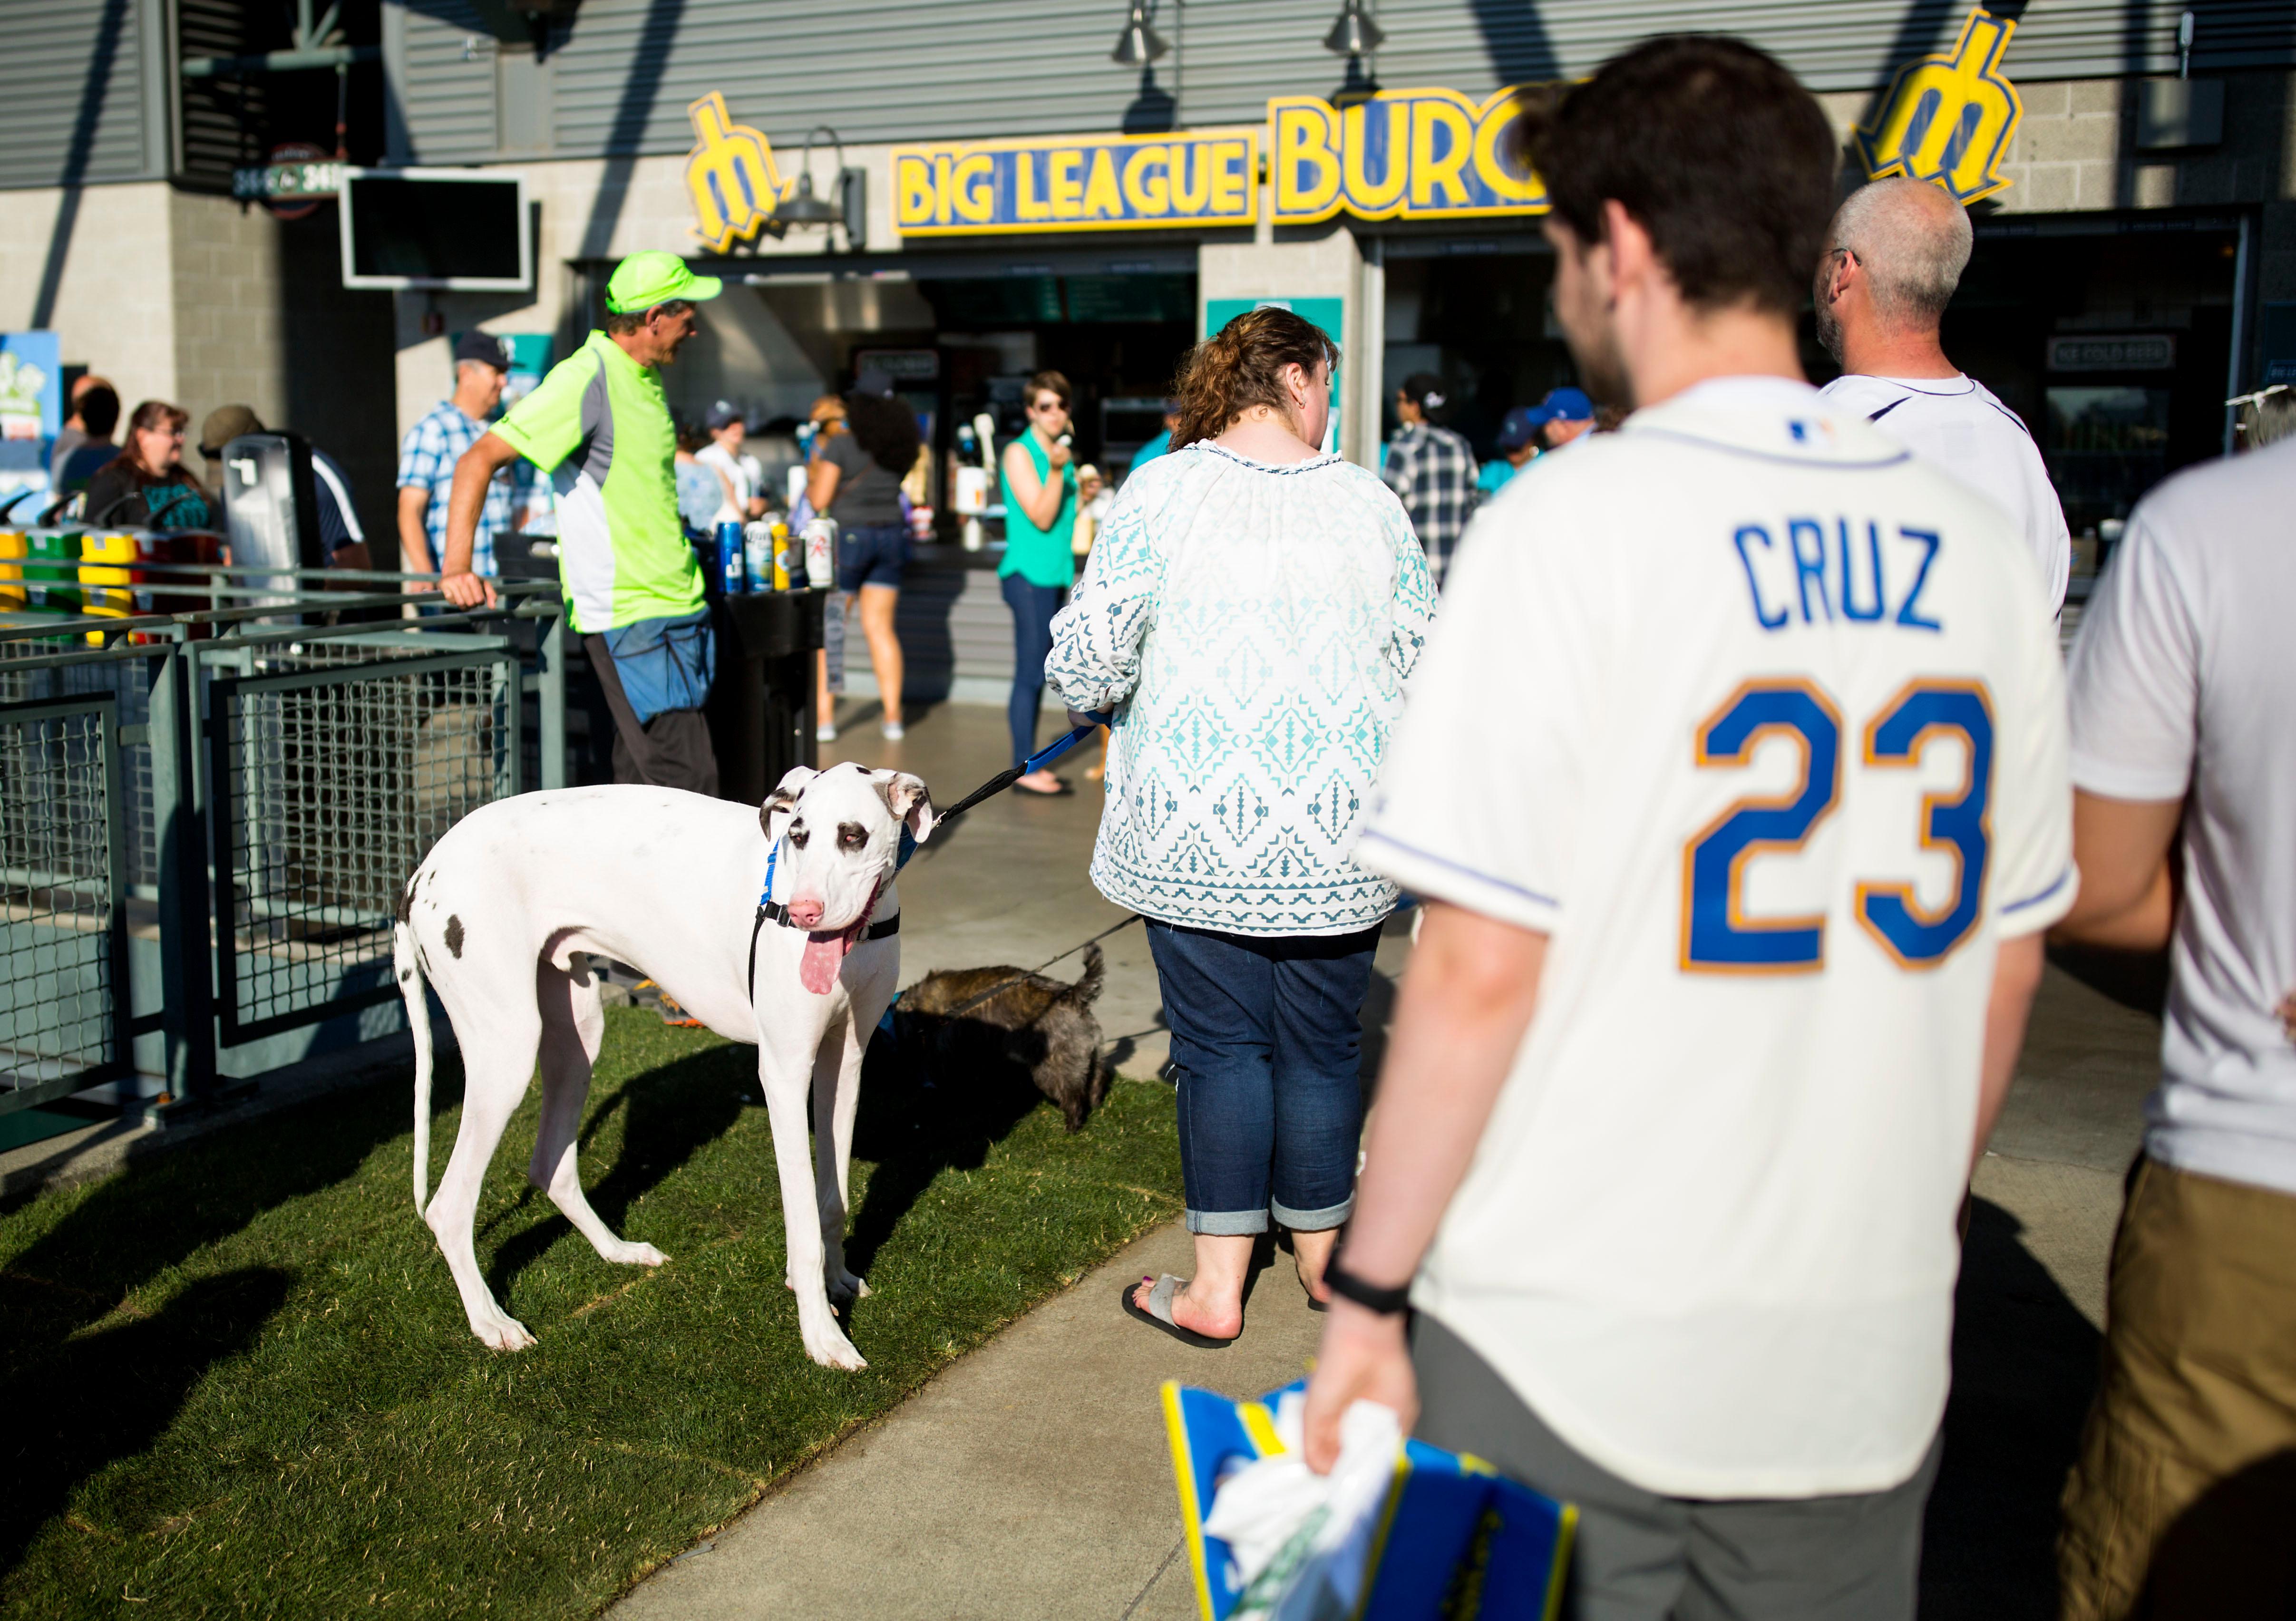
871, 555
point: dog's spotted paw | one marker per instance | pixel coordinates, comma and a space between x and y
627, 1254
503, 1333
846, 1288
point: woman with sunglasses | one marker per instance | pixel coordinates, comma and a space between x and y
1040, 503
146, 485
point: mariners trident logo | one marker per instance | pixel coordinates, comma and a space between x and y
1949, 119
731, 174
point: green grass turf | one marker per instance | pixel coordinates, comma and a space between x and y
239, 1382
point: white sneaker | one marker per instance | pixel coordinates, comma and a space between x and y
894, 731
825, 734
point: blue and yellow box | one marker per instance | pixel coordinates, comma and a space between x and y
1455, 1540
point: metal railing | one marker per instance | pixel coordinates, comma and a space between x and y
247, 792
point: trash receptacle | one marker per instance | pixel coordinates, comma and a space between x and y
761, 703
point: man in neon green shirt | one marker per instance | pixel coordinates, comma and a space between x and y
598, 423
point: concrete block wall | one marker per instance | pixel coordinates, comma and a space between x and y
115, 308
230, 318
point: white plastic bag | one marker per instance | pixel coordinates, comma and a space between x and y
1299, 1540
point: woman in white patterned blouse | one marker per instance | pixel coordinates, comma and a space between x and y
1250, 610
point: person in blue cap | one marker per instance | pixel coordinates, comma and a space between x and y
1528, 430
1518, 448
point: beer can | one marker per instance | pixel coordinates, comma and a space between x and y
757, 554
821, 553
788, 560
732, 567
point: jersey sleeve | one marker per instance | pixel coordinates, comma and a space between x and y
1481, 781
2135, 683
2035, 879
546, 425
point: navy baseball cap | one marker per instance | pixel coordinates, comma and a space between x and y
1519, 428
484, 347
722, 415
1562, 405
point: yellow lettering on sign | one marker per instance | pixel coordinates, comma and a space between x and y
1025, 203
941, 168
1443, 140
1147, 182
1949, 119
1067, 191
730, 175
913, 192
1366, 196
1229, 182
972, 188
1493, 164
1306, 134
1084, 183
1100, 196
1192, 159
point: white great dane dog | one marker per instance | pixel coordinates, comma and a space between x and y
669, 881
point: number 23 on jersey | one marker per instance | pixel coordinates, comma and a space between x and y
1717, 936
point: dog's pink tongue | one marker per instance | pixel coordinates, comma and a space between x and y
824, 954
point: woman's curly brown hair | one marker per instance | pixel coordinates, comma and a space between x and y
1241, 365
886, 430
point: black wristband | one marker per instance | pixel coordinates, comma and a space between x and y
1346, 1286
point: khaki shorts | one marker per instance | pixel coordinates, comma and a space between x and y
2183, 1502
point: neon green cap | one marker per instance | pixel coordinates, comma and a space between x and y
644, 280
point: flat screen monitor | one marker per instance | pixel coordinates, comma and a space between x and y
455, 229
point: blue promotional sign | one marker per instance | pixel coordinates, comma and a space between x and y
1077, 182
32, 385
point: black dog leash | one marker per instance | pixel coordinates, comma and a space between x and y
1004, 779
995, 990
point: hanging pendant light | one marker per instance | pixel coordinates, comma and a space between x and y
1354, 34
804, 209
1139, 44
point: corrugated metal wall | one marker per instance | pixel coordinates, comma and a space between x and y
448, 92
910, 71
70, 91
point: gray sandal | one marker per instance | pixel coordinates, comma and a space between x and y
1159, 1312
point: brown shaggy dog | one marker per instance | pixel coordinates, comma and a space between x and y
957, 1021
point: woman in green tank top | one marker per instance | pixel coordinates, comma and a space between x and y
1038, 482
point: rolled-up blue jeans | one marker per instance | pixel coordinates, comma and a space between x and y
1266, 1042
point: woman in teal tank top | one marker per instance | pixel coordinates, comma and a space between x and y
1037, 477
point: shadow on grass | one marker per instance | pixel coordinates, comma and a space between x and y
674, 1110
111, 1395
84, 1399
2024, 1364
917, 1121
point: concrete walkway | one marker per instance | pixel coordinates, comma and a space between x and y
1031, 1479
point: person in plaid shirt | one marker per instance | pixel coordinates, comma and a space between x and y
427, 457
1432, 469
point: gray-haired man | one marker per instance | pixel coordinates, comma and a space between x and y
1893, 257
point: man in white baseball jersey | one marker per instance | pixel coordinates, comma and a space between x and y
2184, 1498
1738, 755
1893, 257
